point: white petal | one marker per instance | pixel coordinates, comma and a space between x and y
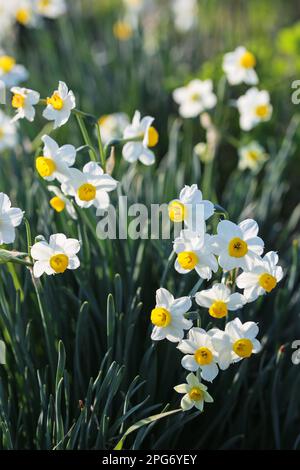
189, 363
209, 372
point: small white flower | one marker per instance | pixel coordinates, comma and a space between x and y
195, 393
60, 202
168, 316
23, 101
51, 8
200, 353
239, 67
8, 132
252, 156
24, 12
11, 73
113, 126
56, 161
195, 98
254, 107
237, 342
10, 217
59, 105
237, 246
90, 187
263, 277
189, 206
185, 14
139, 150
56, 256
195, 252
219, 300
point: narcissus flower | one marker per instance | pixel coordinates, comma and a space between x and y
237, 246
168, 316
56, 161
252, 156
122, 30
24, 12
51, 8
146, 137
195, 393
60, 105
189, 206
112, 126
56, 256
8, 132
195, 252
254, 107
239, 67
200, 354
185, 14
195, 98
262, 278
219, 300
11, 73
90, 187
59, 202
23, 100
10, 217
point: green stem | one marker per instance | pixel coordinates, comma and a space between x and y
101, 148
85, 136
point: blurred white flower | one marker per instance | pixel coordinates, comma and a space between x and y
254, 107
239, 67
168, 316
113, 126
143, 130
219, 300
252, 156
185, 14
23, 101
10, 217
51, 8
56, 161
11, 73
263, 277
24, 12
60, 202
8, 132
195, 98
56, 256
237, 246
195, 393
60, 105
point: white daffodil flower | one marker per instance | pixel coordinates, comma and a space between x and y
239, 67
195, 393
51, 8
10, 217
185, 14
195, 252
8, 132
219, 300
11, 73
56, 161
189, 207
237, 246
60, 105
148, 135
23, 101
24, 12
254, 107
195, 98
200, 353
237, 342
113, 126
56, 256
252, 156
90, 187
262, 278
168, 316
60, 202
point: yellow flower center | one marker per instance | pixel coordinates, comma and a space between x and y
187, 259
44, 3
195, 97
253, 155
237, 248
161, 317
18, 101
57, 203
59, 262
45, 166
56, 101
153, 137
218, 309
7, 63
23, 16
243, 347
87, 192
248, 60
177, 211
203, 356
196, 394
1, 133
103, 119
262, 110
122, 30
267, 282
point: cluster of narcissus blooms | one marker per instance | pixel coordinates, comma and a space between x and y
233, 248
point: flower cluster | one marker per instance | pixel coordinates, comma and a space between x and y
235, 252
